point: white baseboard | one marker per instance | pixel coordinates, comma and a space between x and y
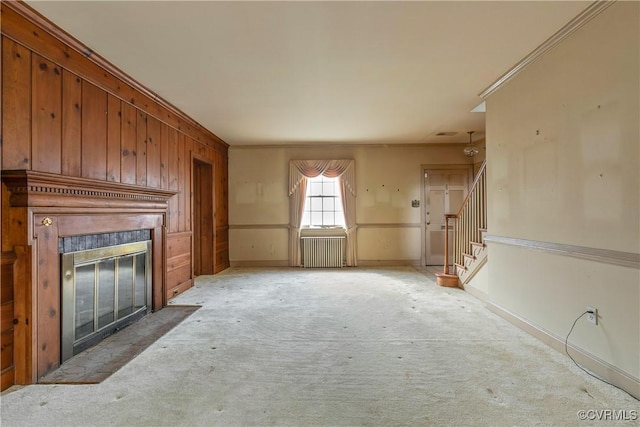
267, 263
389, 262
604, 370
361, 263
476, 293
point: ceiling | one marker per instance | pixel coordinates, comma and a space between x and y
306, 72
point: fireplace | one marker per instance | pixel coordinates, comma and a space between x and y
49, 216
105, 286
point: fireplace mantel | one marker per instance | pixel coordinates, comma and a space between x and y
41, 189
41, 209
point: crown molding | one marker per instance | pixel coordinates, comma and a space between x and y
593, 10
320, 145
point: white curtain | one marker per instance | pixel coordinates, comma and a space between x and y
347, 179
299, 171
296, 209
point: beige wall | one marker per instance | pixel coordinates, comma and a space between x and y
479, 283
388, 179
563, 160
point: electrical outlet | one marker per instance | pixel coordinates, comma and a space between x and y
592, 315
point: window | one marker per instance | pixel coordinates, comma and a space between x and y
323, 204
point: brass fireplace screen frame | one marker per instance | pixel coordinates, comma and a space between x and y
140, 254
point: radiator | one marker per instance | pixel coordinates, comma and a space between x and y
322, 251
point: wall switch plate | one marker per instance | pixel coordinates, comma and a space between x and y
592, 315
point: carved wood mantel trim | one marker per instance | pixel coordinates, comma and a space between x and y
41, 189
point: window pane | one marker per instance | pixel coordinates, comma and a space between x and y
315, 188
316, 218
328, 204
316, 204
328, 189
305, 218
339, 218
328, 218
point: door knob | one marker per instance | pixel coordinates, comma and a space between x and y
428, 222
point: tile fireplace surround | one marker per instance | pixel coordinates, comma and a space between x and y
42, 209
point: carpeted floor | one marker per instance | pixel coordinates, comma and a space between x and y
347, 347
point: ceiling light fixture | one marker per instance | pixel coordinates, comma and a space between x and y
471, 149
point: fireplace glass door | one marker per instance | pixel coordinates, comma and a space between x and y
103, 290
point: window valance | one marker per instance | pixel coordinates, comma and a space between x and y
301, 169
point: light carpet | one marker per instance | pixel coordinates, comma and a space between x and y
348, 347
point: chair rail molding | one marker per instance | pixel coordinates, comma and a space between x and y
607, 256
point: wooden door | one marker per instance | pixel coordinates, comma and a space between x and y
445, 191
203, 218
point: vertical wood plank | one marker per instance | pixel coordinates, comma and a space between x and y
211, 155
114, 128
159, 267
221, 209
16, 106
46, 115
199, 148
174, 176
25, 348
221, 190
141, 151
188, 147
153, 152
129, 145
71, 124
48, 295
94, 132
181, 181
164, 155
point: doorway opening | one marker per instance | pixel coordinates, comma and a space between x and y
203, 217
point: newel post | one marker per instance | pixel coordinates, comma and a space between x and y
445, 278
446, 244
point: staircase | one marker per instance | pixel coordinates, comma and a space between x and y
469, 227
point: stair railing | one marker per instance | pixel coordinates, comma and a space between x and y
469, 222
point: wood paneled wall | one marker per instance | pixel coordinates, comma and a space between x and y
67, 111
63, 113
